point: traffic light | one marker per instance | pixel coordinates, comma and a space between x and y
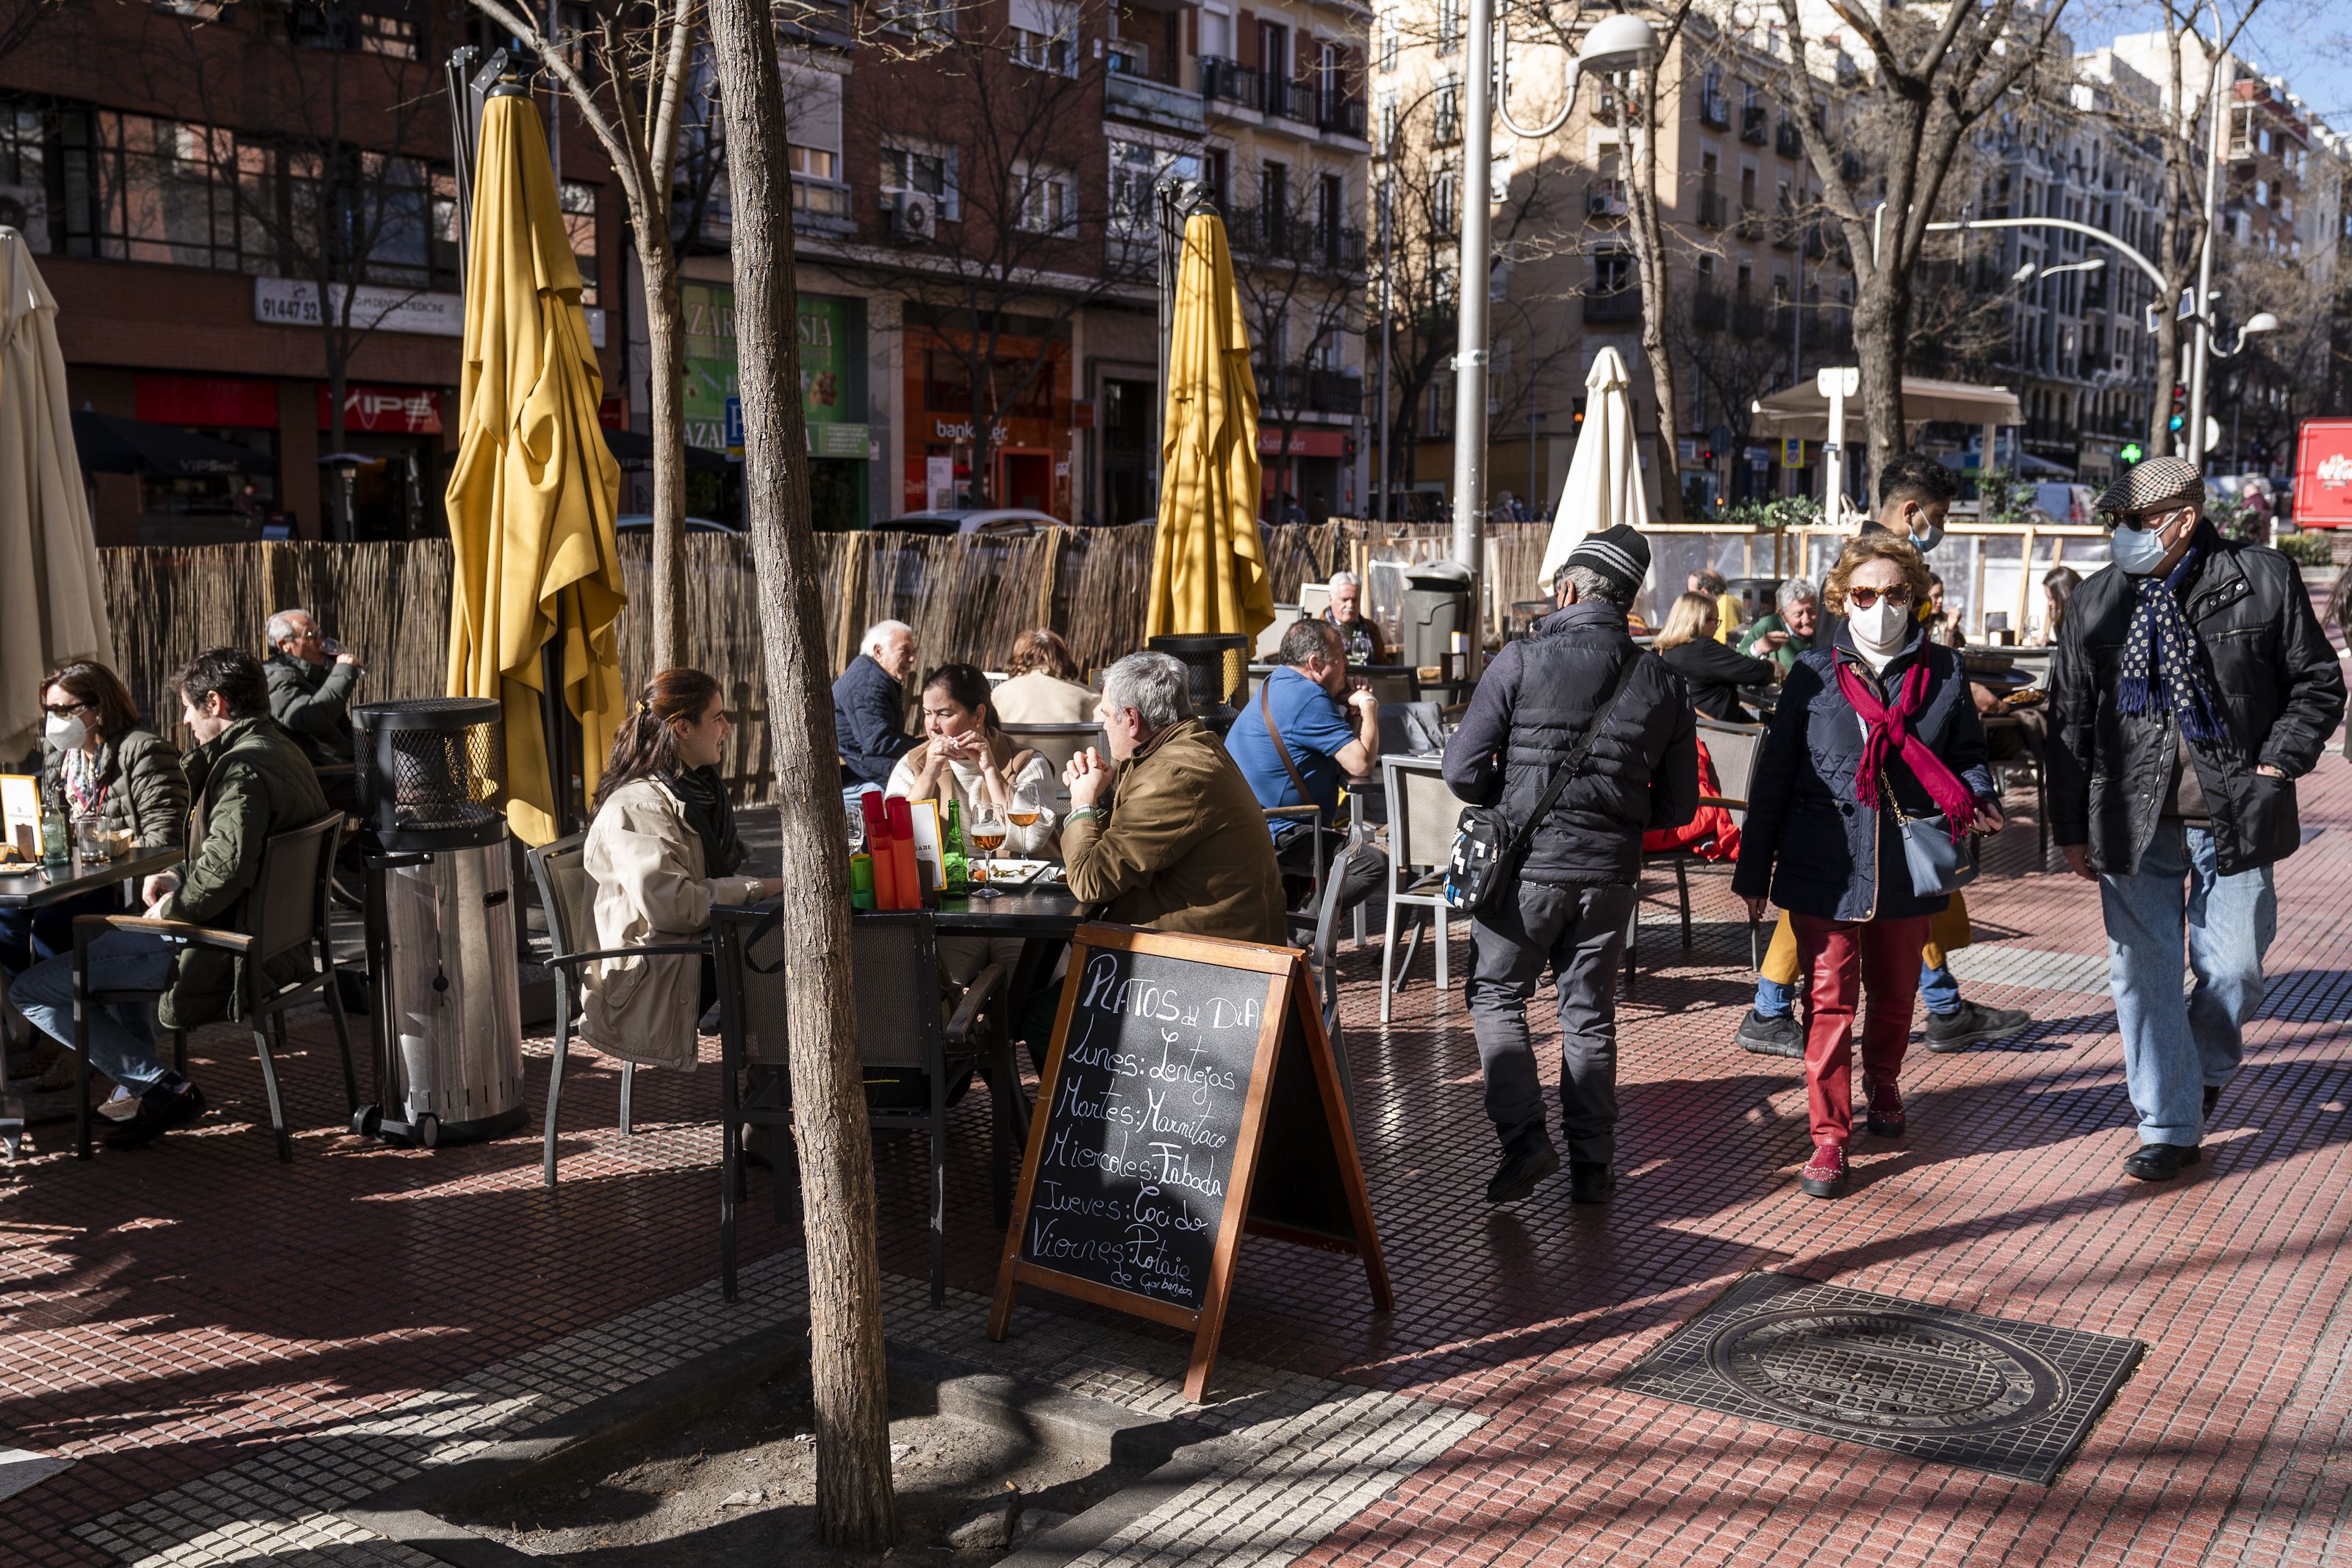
2179, 421
1578, 417
2130, 452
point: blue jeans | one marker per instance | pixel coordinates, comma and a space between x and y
1938, 988
2176, 1047
123, 1036
29, 936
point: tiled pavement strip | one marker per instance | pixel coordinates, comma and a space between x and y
200, 1324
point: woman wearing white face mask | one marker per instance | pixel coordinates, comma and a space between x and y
95, 761
1876, 727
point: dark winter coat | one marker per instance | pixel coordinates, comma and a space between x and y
869, 722
1534, 702
314, 703
146, 794
1806, 840
1716, 674
2275, 680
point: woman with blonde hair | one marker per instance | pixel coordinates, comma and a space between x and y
1044, 687
1875, 734
1713, 672
663, 851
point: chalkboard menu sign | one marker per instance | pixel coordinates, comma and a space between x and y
1175, 1061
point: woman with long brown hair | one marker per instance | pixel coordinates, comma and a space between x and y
663, 851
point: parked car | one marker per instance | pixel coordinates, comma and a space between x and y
1002, 522
693, 525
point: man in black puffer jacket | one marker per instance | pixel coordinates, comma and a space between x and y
2192, 686
1577, 887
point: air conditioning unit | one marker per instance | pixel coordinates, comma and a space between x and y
913, 219
26, 209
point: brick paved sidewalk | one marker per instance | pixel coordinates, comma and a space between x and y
190, 1312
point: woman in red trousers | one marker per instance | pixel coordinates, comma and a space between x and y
1876, 726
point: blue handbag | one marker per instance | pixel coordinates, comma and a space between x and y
1939, 864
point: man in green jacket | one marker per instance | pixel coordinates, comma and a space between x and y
250, 783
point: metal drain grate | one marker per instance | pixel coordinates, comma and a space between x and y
1989, 1394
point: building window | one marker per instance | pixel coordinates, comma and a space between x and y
918, 16
394, 28
1612, 271
916, 172
1446, 201
1045, 201
1137, 168
579, 203
1045, 36
1386, 121
1449, 25
24, 175
1447, 112
1388, 44
814, 152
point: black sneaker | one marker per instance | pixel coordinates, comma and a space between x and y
161, 1110
1973, 1024
1520, 1171
1770, 1036
2161, 1162
1591, 1181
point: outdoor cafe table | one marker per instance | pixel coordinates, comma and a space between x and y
34, 888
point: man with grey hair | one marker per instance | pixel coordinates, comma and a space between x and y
1180, 844
1794, 626
869, 709
310, 682
1359, 631
1578, 682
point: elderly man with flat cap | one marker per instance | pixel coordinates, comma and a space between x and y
2192, 686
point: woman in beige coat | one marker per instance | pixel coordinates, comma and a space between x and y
662, 851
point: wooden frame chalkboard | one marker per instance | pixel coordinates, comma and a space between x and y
1152, 1129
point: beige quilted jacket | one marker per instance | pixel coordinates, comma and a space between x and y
646, 863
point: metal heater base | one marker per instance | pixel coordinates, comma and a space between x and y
429, 1132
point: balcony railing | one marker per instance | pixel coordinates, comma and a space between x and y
1711, 214
1153, 102
1816, 247
1265, 234
1624, 305
1341, 116
1751, 223
1605, 199
1714, 110
1787, 140
1751, 124
1786, 229
1224, 81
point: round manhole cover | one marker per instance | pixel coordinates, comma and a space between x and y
1888, 1371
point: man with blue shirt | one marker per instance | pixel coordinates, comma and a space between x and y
1306, 728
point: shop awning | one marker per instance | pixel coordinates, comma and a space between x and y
1803, 412
635, 453
109, 444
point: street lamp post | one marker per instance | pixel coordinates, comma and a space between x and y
1616, 43
2193, 438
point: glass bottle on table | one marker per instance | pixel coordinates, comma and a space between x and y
955, 862
987, 834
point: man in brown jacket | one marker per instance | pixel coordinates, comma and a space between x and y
1183, 846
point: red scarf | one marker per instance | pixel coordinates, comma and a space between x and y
1890, 729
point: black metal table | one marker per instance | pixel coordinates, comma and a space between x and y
1025, 912
35, 888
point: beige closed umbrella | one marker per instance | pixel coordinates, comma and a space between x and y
52, 605
1604, 484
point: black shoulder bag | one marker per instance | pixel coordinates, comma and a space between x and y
1489, 848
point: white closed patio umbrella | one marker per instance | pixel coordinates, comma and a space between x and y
52, 605
1604, 484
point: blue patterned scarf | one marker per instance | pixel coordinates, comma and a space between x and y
2160, 660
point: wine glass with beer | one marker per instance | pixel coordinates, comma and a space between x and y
987, 835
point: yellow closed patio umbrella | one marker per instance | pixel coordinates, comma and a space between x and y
535, 492
1208, 566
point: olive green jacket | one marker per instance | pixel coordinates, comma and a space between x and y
145, 793
251, 783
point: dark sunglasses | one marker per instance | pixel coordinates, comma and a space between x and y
65, 710
1863, 597
2144, 522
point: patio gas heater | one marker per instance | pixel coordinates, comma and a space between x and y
440, 922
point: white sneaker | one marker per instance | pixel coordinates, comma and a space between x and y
120, 1106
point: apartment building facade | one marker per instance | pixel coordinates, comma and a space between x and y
1757, 296
166, 163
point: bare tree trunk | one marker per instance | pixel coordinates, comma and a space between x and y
2167, 376
344, 526
856, 1506
1882, 323
665, 340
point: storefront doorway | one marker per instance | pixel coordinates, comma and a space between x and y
1026, 479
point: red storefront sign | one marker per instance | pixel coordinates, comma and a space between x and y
385, 410
1303, 442
220, 401
2322, 475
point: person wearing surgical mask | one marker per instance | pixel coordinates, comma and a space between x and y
1875, 727
96, 762
2191, 688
